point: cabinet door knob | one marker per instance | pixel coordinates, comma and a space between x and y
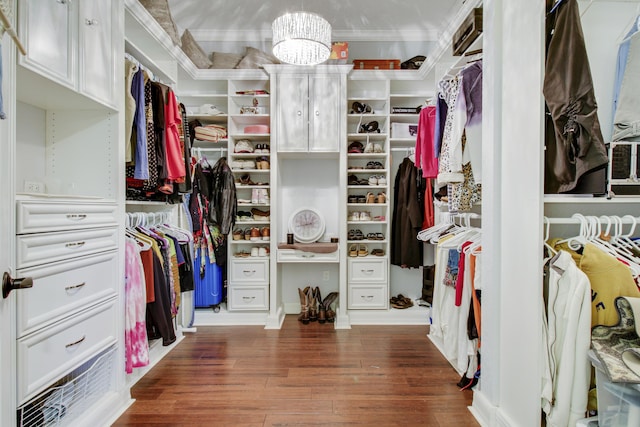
9, 284
91, 21
317, 113
64, 1
299, 113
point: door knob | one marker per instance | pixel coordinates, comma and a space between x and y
9, 284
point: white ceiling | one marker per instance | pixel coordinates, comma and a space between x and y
376, 28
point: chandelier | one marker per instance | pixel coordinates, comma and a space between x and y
301, 38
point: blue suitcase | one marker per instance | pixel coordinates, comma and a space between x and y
207, 282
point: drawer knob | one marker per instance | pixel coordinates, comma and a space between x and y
74, 245
76, 342
9, 284
76, 217
74, 288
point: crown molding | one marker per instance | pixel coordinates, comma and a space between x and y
342, 35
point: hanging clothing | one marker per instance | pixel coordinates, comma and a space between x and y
621, 64
626, 122
130, 69
426, 158
609, 279
575, 147
135, 333
139, 122
406, 249
223, 196
450, 156
175, 155
567, 370
467, 119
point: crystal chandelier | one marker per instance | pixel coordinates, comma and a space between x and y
301, 38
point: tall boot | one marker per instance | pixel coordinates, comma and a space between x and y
313, 305
321, 309
304, 305
330, 315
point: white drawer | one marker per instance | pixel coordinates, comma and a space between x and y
367, 270
35, 249
61, 288
52, 352
249, 271
248, 298
295, 255
368, 296
57, 215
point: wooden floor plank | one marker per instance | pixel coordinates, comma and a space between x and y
301, 375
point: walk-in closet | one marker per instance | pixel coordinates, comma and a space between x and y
304, 213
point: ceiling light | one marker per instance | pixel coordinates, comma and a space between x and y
301, 38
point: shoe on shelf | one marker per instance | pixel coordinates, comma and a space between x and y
382, 180
246, 180
370, 198
365, 216
264, 196
382, 198
238, 234
373, 180
377, 252
265, 232
362, 250
255, 195
247, 234
255, 251
377, 148
262, 251
255, 234
368, 148
354, 216
353, 251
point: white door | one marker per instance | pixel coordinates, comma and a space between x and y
7, 237
96, 68
324, 113
293, 112
47, 28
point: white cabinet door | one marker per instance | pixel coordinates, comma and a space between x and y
97, 78
325, 113
293, 112
48, 29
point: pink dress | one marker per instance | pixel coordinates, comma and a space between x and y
135, 329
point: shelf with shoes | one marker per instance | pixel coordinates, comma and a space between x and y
368, 206
249, 156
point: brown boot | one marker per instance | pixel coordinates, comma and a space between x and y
321, 309
313, 305
330, 315
304, 305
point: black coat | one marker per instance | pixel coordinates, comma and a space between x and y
222, 196
406, 249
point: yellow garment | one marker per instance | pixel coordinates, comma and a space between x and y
609, 279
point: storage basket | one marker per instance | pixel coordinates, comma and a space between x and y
69, 397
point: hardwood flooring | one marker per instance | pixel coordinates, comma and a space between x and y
301, 375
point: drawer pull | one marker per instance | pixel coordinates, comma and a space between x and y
75, 287
77, 342
308, 255
74, 245
248, 298
367, 297
367, 271
249, 272
76, 217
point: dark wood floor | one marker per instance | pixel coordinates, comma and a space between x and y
302, 375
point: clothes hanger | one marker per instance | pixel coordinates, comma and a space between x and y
547, 227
